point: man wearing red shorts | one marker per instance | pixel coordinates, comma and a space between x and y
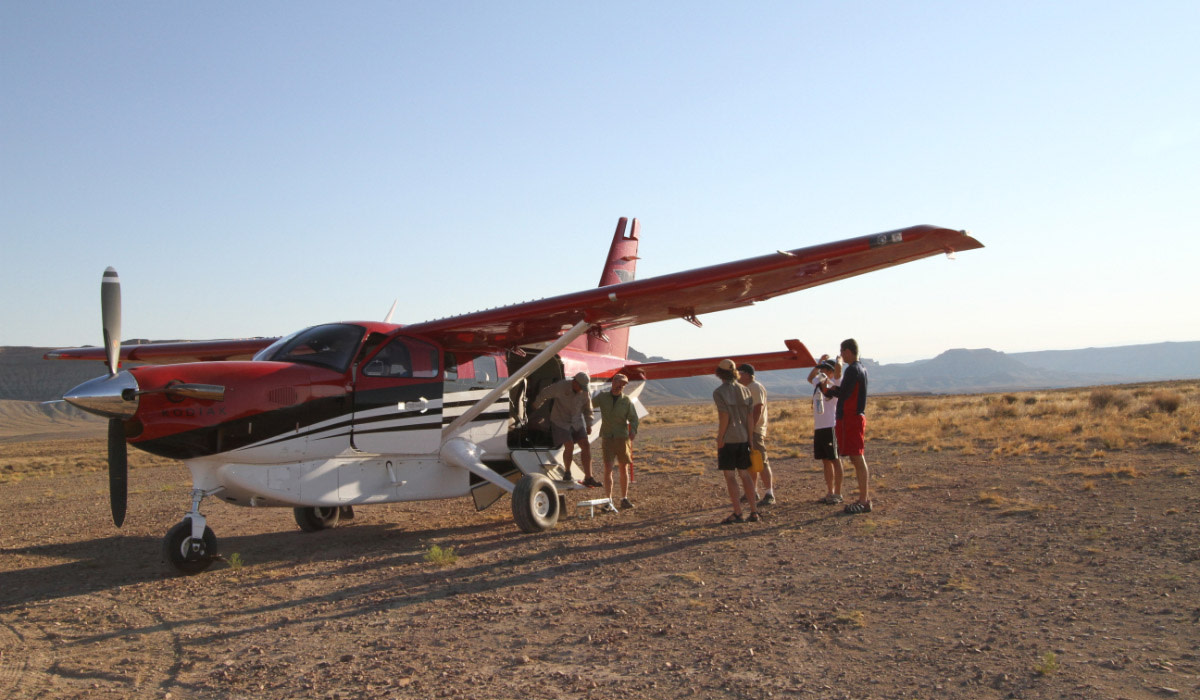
851, 427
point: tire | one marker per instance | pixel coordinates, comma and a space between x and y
178, 549
318, 518
535, 503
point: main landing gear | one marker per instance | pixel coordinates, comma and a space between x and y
535, 503
322, 518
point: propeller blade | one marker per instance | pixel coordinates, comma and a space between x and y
110, 313
118, 470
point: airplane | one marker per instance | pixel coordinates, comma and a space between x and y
357, 413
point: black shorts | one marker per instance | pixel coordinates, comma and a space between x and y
734, 455
824, 444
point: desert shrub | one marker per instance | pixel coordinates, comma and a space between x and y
1166, 401
1001, 411
1101, 399
1010, 399
1030, 400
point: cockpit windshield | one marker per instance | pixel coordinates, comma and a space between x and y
331, 346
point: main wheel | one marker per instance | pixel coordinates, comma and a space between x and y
535, 503
189, 556
314, 519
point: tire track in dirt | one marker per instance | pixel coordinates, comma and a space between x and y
140, 654
16, 658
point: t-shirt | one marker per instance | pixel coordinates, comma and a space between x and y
758, 395
734, 399
828, 417
853, 390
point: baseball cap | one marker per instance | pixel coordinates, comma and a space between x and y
727, 365
747, 368
583, 380
827, 364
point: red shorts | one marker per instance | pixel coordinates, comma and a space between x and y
851, 431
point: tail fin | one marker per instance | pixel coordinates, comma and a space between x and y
620, 266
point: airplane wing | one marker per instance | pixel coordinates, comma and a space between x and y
796, 356
689, 294
171, 353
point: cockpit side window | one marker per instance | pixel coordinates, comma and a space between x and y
329, 346
404, 357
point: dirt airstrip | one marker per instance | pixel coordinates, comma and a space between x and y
979, 575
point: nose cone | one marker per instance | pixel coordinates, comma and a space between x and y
103, 396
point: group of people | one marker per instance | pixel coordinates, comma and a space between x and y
839, 430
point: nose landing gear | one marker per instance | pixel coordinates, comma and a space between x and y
189, 555
190, 546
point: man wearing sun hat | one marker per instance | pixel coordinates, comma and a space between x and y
571, 421
733, 439
618, 428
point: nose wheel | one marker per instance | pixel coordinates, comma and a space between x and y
188, 554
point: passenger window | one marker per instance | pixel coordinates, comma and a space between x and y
485, 369
451, 367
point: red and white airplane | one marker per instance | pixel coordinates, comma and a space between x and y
357, 413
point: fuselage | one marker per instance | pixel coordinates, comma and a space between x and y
342, 413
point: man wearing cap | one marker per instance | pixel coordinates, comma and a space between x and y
618, 427
758, 433
733, 439
571, 421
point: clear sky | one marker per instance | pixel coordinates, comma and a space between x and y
253, 168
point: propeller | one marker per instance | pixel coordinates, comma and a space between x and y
118, 461
110, 315
118, 470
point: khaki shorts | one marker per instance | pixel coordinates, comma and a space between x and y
758, 441
616, 448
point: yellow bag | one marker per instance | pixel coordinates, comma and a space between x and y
756, 461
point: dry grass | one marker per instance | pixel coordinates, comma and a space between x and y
1084, 424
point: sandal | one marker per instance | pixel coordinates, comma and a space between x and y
753, 518
857, 508
831, 500
735, 518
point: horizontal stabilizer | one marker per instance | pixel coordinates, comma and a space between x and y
795, 357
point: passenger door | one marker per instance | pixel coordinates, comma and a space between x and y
398, 399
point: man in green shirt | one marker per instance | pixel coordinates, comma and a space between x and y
618, 427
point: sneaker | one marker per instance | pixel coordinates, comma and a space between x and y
626, 503
591, 483
754, 517
858, 508
767, 500
609, 508
735, 518
568, 477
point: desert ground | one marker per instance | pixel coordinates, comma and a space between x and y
1025, 545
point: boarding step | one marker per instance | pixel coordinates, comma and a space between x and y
548, 462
